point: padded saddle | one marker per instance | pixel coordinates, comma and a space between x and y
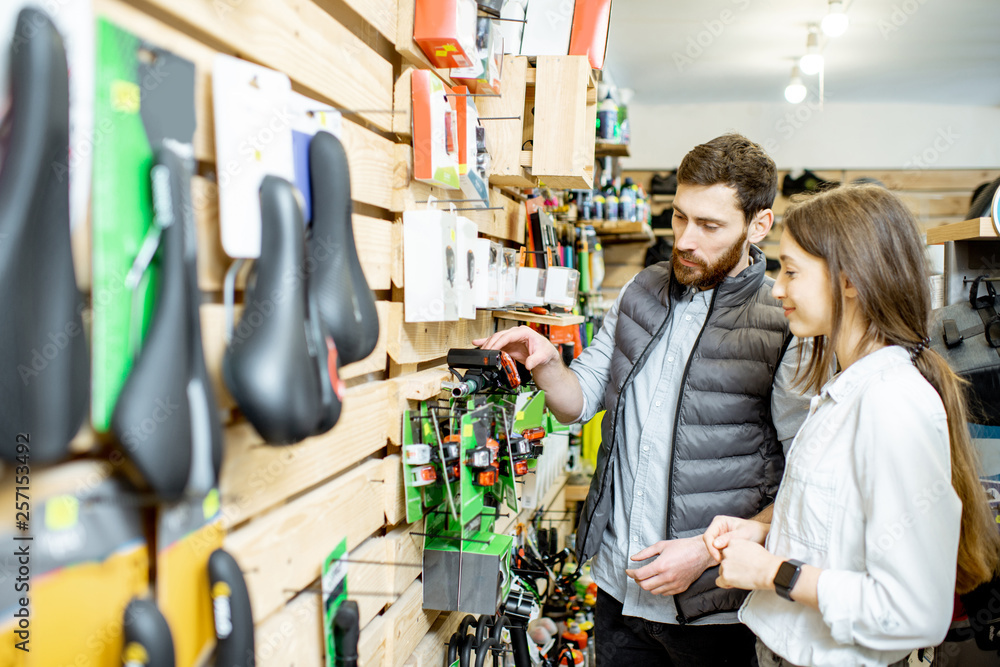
44, 361
166, 416
346, 305
281, 364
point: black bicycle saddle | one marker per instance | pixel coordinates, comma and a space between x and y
281, 365
165, 416
44, 362
232, 613
148, 641
346, 304
152, 416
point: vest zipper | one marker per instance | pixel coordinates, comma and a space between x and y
681, 618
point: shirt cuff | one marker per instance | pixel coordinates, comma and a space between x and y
837, 595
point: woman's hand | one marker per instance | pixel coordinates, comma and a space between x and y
724, 529
747, 565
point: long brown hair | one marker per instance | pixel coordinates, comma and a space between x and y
866, 234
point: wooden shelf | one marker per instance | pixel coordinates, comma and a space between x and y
977, 229
535, 318
609, 149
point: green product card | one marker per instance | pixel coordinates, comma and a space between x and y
334, 585
144, 97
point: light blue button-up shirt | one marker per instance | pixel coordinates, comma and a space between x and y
640, 482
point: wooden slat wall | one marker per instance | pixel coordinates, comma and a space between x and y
935, 197
285, 508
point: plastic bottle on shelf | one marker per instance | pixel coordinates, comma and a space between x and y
627, 202
607, 119
611, 208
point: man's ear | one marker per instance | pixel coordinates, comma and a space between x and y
760, 226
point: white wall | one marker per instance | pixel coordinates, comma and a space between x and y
838, 136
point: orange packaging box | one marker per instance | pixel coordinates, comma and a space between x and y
591, 21
446, 31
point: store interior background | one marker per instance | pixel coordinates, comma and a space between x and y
909, 80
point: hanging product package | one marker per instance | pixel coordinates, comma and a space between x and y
430, 266
435, 131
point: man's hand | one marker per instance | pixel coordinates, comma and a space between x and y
678, 564
523, 344
747, 565
727, 528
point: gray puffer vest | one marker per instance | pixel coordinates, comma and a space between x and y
726, 457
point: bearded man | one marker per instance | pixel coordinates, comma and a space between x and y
694, 365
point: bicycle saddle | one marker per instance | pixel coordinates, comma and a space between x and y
166, 416
231, 606
148, 641
346, 305
281, 365
44, 362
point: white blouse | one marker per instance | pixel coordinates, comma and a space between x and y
867, 497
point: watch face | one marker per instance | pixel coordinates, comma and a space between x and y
788, 572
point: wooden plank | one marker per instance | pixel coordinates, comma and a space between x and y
392, 637
505, 137
422, 386
292, 636
964, 180
404, 552
368, 583
402, 103
535, 318
561, 156
370, 156
381, 14
395, 500
936, 204
324, 58
431, 650
282, 551
610, 149
968, 230
372, 162
422, 341
374, 362
256, 476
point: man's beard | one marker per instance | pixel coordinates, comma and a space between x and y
707, 276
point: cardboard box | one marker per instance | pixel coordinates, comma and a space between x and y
483, 76
472, 179
508, 277
446, 31
591, 21
430, 266
435, 131
530, 286
561, 286
548, 28
465, 280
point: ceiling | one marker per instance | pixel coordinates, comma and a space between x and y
906, 51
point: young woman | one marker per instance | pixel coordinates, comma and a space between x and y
880, 517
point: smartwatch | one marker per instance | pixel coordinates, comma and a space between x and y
788, 574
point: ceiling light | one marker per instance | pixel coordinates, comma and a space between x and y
795, 91
812, 62
835, 22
